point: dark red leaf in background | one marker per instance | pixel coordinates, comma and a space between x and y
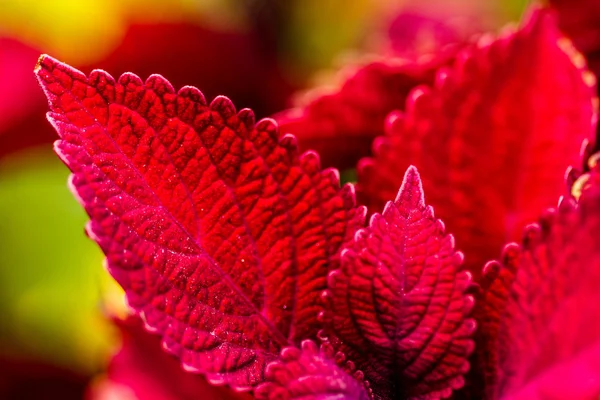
36, 380
310, 374
221, 233
217, 61
341, 125
398, 309
580, 21
187, 53
492, 138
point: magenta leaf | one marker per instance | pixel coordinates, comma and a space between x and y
492, 138
398, 308
310, 374
547, 338
221, 234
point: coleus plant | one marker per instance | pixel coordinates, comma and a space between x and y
261, 273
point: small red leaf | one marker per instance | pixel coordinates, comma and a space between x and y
546, 342
398, 308
492, 137
220, 232
309, 374
341, 125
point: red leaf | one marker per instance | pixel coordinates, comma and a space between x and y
398, 307
492, 138
341, 125
220, 233
140, 368
309, 374
548, 338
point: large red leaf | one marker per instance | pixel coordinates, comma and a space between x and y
220, 232
492, 138
547, 336
398, 308
310, 374
340, 125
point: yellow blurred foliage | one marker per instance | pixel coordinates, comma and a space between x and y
316, 37
84, 31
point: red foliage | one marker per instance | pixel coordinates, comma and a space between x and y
221, 233
492, 138
544, 340
341, 125
580, 21
398, 304
310, 374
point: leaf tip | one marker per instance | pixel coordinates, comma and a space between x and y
411, 190
38, 65
45, 63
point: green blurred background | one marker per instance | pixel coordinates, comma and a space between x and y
54, 294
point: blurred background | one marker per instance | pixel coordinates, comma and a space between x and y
56, 336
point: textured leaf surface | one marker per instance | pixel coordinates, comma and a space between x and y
341, 124
141, 370
310, 374
220, 232
548, 338
398, 308
492, 138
